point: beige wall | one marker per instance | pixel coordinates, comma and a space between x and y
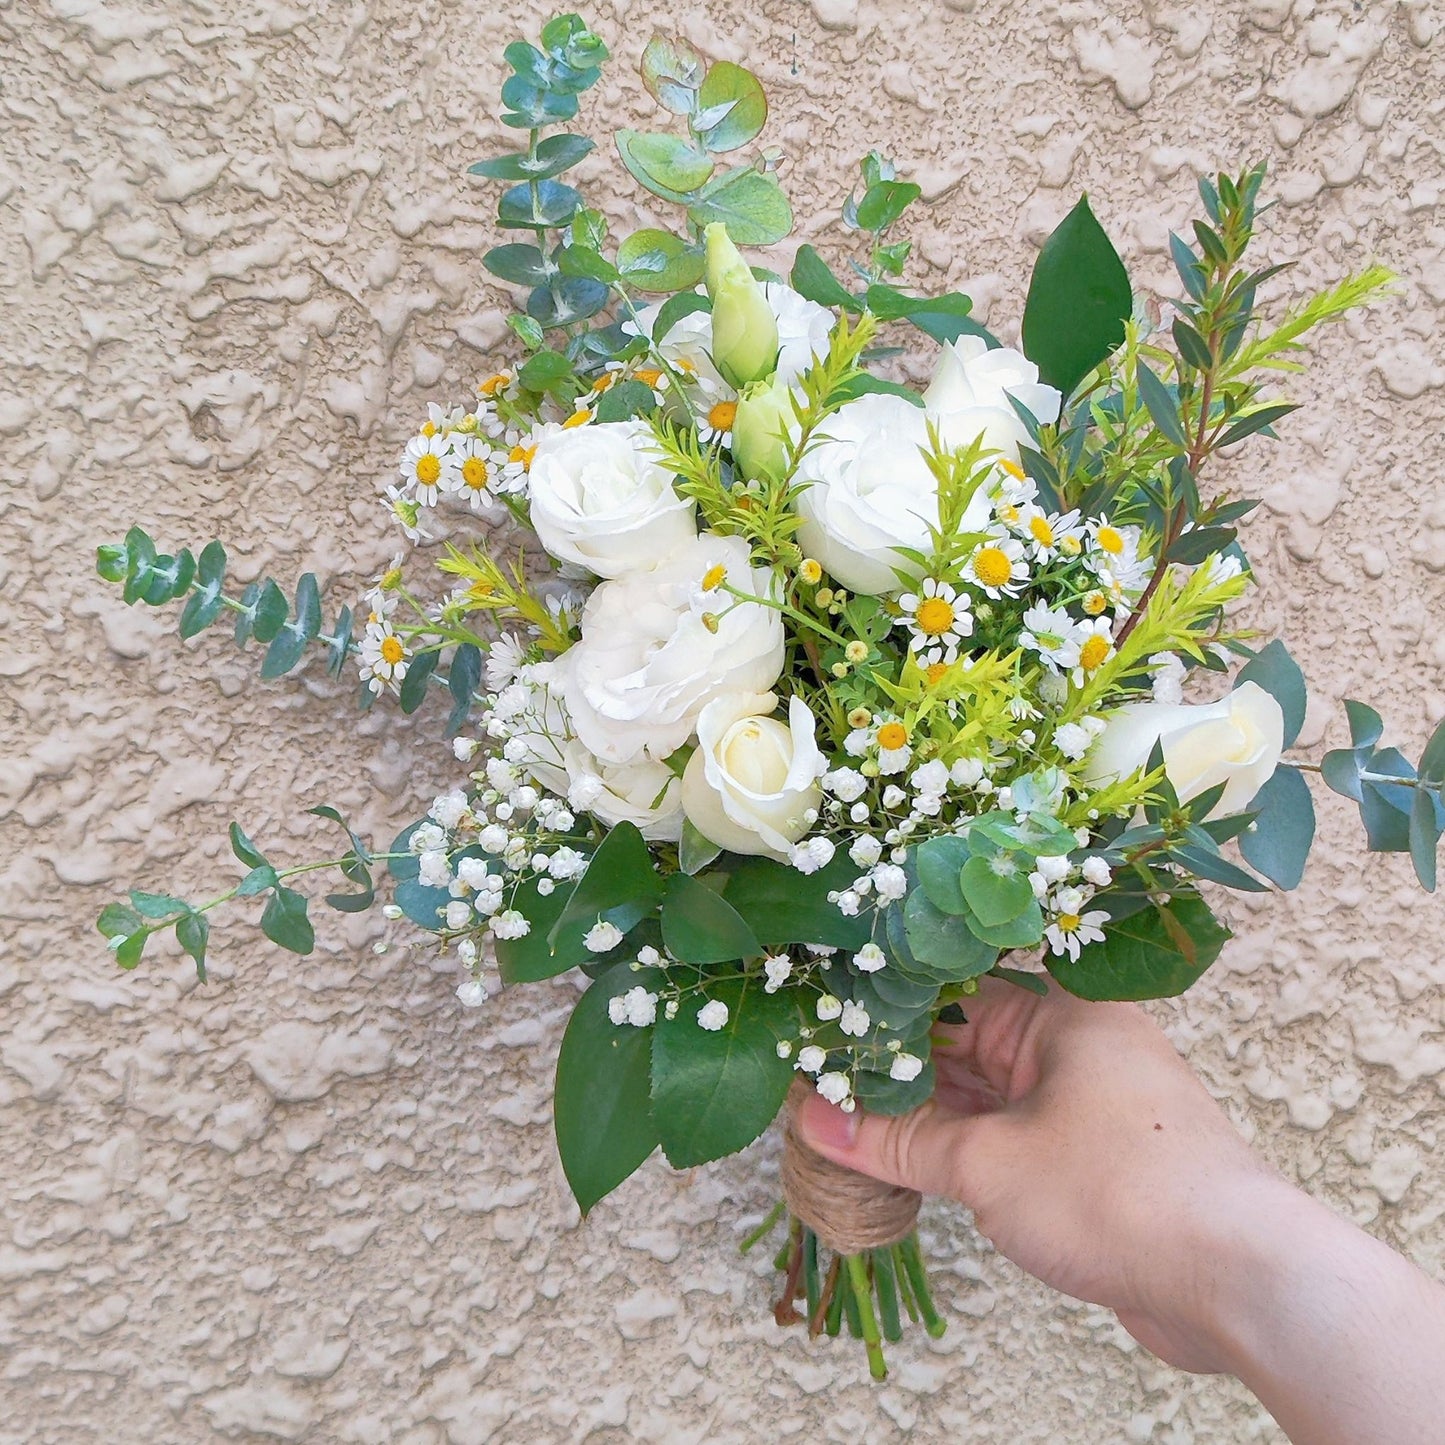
316, 1200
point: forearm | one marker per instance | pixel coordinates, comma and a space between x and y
1340, 1338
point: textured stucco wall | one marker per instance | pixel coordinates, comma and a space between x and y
317, 1201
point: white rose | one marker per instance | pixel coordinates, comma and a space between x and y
803, 330
753, 777
869, 491
602, 499
656, 648
969, 396
1235, 741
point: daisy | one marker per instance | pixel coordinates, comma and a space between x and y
1096, 647
406, 513
422, 465
715, 419
383, 658
1069, 932
505, 656
1054, 635
1015, 490
1115, 551
997, 567
470, 471
938, 619
894, 754
1048, 536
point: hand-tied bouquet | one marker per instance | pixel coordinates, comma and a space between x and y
808, 699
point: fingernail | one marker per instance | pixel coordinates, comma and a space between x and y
826, 1126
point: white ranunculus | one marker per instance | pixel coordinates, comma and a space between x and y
869, 491
1236, 741
803, 330
657, 647
601, 498
969, 396
753, 777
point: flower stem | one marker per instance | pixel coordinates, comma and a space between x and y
918, 1278
863, 1295
887, 1285
774, 1214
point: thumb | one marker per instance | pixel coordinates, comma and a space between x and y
929, 1149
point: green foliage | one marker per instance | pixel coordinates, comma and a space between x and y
620, 886
1278, 841
1155, 953
782, 906
1078, 301
714, 1092
699, 927
1273, 669
602, 1106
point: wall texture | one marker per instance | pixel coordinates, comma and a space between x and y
318, 1201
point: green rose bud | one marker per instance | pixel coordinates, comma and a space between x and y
744, 329
764, 417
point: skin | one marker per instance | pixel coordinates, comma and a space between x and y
1093, 1158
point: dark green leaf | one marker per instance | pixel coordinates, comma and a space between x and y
271, 611
1340, 768
940, 865
1432, 760
714, 1092
545, 371
580, 261
1205, 863
244, 848
157, 905
1255, 421
128, 954
192, 933
881, 1094
1191, 273
1162, 403
654, 260
884, 203
602, 1107
555, 154
1273, 669
421, 903
555, 204
285, 921
812, 278
619, 877
521, 264
1192, 349
783, 906
1028, 981
674, 309
340, 644
118, 921
626, 399
258, 880
695, 852
1197, 543
699, 927
418, 673
1278, 842
463, 676
567, 301
1078, 301
532, 957
1366, 725
201, 609
1141, 956
945, 318
943, 942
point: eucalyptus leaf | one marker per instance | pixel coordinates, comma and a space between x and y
750, 204
1278, 841
732, 107
1273, 669
1424, 838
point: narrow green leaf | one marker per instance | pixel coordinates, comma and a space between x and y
1030, 982
464, 676
715, 1091
1204, 863
1162, 405
285, 921
1256, 421
1191, 273
601, 1106
340, 645
1078, 301
1192, 349
245, 849
699, 927
1432, 760
1424, 837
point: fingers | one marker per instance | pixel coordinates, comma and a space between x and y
932, 1149
1000, 1041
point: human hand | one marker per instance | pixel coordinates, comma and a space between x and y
1089, 1153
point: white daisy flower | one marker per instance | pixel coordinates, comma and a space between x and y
1049, 536
938, 619
1115, 551
1069, 932
469, 472
1096, 647
506, 654
1054, 635
1012, 490
406, 512
422, 465
894, 754
715, 417
383, 657
997, 567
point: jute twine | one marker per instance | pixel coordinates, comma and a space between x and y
848, 1211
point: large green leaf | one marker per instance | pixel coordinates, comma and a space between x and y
285, 921
749, 203
943, 942
1145, 955
812, 278
1078, 301
731, 107
672, 71
601, 1108
533, 956
654, 260
1273, 669
699, 927
940, 862
1278, 841
620, 882
714, 1092
783, 906
667, 165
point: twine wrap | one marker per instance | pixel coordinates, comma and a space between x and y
848, 1211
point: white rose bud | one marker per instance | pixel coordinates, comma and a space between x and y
968, 397
753, 777
869, 491
657, 647
1236, 741
602, 499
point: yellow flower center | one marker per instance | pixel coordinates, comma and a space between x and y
1012, 468
523, 454
992, 566
1008, 514
474, 473
686, 366
1041, 532
1110, 540
493, 384
723, 415
810, 571
892, 735
428, 469
936, 673
392, 651
1068, 922
1095, 603
390, 579
604, 381
1093, 652
428, 429
713, 577
578, 418
1070, 546
934, 616
648, 377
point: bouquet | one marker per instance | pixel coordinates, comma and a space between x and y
790, 699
